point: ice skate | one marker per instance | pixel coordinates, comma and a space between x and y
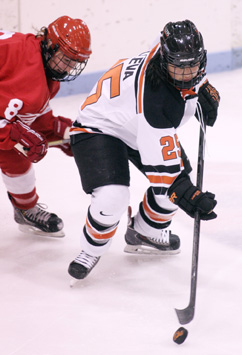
37, 221
82, 265
166, 244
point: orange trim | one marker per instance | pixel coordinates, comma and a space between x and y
185, 92
141, 80
118, 62
168, 180
79, 130
154, 216
97, 235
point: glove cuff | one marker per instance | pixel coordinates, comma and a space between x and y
179, 188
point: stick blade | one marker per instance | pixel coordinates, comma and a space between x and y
185, 315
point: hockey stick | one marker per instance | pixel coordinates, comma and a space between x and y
59, 142
186, 315
23, 150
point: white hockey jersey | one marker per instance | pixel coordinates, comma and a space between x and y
123, 105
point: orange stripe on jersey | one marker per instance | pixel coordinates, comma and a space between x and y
157, 179
93, 233
118, 62
141, 79
155, 216
79, 129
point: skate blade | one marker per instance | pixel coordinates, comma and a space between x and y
73, 282
35, 231
146, 250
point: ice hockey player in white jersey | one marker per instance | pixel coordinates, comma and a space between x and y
132, 114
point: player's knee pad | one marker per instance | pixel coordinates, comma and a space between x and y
109, 203
21, 184
107, 206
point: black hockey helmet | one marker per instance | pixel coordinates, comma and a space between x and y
182, 46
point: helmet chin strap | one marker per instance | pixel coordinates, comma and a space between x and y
54, 74
47, 50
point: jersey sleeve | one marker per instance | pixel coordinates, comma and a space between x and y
24, 90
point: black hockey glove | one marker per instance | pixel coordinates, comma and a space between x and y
190, 199
209, 99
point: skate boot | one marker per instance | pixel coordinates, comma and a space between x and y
82, 265
39, 222
166, 244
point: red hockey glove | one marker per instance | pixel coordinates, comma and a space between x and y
190, 199
66, 148
34, 144
61, 129
209, 99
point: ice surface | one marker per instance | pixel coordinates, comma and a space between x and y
126, 305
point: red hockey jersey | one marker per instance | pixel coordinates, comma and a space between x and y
24, 89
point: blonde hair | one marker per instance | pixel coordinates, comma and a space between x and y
41, 32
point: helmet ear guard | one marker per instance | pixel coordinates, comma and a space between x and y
182, 46
66, 48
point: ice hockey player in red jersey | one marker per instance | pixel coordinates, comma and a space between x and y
133, 113
32, 67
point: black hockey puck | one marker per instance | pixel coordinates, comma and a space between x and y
180, 335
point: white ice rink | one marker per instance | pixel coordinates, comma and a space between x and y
126, 305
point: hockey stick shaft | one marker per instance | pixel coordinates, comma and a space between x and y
23, 150
59, 142
187, 314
